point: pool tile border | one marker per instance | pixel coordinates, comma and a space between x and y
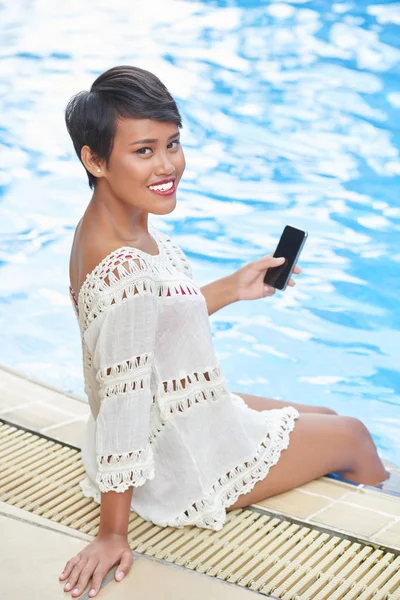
66, 539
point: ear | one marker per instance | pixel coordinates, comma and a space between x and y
93, 164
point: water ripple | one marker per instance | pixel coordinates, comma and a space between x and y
291, 113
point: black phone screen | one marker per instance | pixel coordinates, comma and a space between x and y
289, 246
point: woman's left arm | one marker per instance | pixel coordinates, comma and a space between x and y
245, 284
220, 293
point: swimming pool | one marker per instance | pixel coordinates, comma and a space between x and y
291, 115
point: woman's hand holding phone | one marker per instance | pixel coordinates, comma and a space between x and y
289, 246
249, 280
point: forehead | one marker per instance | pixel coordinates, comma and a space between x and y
132, 130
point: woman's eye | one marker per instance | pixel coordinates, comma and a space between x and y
142, 151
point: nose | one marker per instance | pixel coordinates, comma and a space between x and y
164, 165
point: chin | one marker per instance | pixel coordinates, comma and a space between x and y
163, 209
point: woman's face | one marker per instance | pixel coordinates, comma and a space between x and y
145, 152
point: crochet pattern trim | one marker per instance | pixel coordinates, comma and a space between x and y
125, 287
125, 377
181, 394
210, 513
171, 263
118, 472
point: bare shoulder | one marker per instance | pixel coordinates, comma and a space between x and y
92, 243
87, 253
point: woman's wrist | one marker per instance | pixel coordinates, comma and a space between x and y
114, 513
111, 535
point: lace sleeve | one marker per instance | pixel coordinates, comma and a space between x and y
122, 339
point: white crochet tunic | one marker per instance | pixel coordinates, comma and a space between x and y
162, 417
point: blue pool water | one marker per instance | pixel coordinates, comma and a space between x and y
291, 115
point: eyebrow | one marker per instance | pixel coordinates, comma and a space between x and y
149, 141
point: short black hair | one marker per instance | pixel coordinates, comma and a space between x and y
124, 91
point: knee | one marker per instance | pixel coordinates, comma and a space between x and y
324, 410
358, 431
364, 453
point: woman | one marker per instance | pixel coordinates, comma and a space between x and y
163, 420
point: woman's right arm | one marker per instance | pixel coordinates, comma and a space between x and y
114, 513
121, 342
109, 548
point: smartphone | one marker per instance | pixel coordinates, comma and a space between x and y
289, 246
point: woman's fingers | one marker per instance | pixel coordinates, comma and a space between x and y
124, 565
268, 262
94, 562
276, 262
74, 575
291, 283
69, 566
84, 577
268, 290
99, 573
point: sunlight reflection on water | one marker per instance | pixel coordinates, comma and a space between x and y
290, 115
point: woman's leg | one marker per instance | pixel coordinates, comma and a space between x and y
261, 403
320, 444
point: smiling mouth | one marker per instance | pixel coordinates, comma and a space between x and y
163, 189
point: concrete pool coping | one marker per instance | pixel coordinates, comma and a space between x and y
368, 513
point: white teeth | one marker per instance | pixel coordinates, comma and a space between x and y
162, 188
